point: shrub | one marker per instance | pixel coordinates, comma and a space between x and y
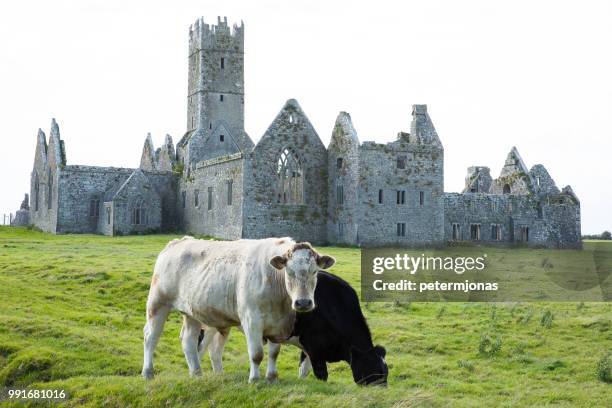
604, 369
466, 364
547, 319
489, 346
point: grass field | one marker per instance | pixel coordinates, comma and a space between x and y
72, 312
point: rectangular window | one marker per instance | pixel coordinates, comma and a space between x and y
196, 198
221, 98
401, 229
496, 232
380, 196
210, 198
230, 184
401, 162
456, 232
401, 197
221, 138
108, 215
94, 208
421, 198
525, 234
222, 63
475, 232
184, 198
339, 195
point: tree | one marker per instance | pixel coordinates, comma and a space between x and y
606, 235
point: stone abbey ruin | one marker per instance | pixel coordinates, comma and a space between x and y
217, 182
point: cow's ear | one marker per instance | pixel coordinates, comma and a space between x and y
278, 262
325, 261
380, 350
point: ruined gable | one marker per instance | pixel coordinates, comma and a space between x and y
542, 181
422, 130
166, 159
286, 180
478, 180
514, 177
148, 159
162, 159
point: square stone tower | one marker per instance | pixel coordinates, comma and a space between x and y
215, 95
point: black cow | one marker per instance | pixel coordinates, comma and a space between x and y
336, 330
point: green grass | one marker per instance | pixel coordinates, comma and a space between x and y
72, 312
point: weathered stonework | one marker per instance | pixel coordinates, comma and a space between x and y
218, 183
22, 216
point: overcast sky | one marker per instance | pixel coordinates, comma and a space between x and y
495, 74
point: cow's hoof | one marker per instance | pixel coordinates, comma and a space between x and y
147, 374
196, 373
253, 380
272, 377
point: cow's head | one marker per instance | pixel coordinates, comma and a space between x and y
301, 264
369, 367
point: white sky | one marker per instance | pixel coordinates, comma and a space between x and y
534, 74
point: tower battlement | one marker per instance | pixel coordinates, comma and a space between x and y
220, 35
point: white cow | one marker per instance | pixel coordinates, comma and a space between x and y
255, 284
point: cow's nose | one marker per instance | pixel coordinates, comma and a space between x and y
302, 305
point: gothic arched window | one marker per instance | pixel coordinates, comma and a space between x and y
290, 178
139, 213
506, 188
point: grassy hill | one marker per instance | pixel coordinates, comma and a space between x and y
72, 312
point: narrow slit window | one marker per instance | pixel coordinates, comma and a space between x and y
456, 232
380, 196
340, 195
50, 191
221, 97
94, 208
421, 198
475, 232
230, 184
210, 198
36, 192
196, 198
222, 63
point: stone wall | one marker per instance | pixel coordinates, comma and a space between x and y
343, 184
79, 185
222, 218
136, 194
422, 174
49, 160
265, 212
166, 185
106, 224
550, 224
